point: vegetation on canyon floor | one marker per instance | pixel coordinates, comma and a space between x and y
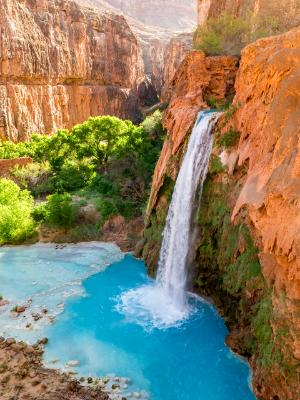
228, 34
105, 161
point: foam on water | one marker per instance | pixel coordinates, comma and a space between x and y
151, 307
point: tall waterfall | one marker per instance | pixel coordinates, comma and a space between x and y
172, 268
164, 303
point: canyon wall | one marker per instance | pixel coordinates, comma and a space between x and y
268, 87
174, 54
249, 220
61, 63
287, 12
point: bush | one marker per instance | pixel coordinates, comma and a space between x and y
59, 210
16, 206
227, 34
230, 138
34, 177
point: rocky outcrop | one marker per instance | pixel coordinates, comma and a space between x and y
287, 12
58, 66
197, 79
178, 15
174, 54
23, 376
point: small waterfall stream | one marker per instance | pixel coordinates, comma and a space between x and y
165, 302
172, 268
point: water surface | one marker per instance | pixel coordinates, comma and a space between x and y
96, 325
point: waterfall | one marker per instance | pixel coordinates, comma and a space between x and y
172, 268
164, 303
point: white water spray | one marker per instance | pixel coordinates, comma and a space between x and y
164, 303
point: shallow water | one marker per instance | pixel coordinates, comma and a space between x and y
103, 327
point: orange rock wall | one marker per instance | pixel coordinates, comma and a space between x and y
174, 54
61, 63
268, 117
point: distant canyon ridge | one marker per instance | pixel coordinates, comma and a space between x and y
176, 15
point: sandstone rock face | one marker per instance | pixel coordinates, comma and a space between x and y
197, 78
174, 54
163, 48
58, 66
268, 117
287, 12
176, 15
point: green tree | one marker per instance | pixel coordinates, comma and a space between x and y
59, 210
16, 206
101, 138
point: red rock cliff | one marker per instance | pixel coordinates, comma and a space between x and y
61, 63
268, 118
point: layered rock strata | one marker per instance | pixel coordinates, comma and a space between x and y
61, 63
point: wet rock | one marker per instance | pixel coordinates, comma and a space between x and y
3, 302
115, 386
43, 341
10, 341
36, 316
20, 309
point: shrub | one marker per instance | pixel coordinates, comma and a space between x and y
59, 210
16, 205
34, 177
216, 166
227, 34
230, 138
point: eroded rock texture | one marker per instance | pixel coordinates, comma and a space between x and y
287, 12
174, 54
61, 63
268, 118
